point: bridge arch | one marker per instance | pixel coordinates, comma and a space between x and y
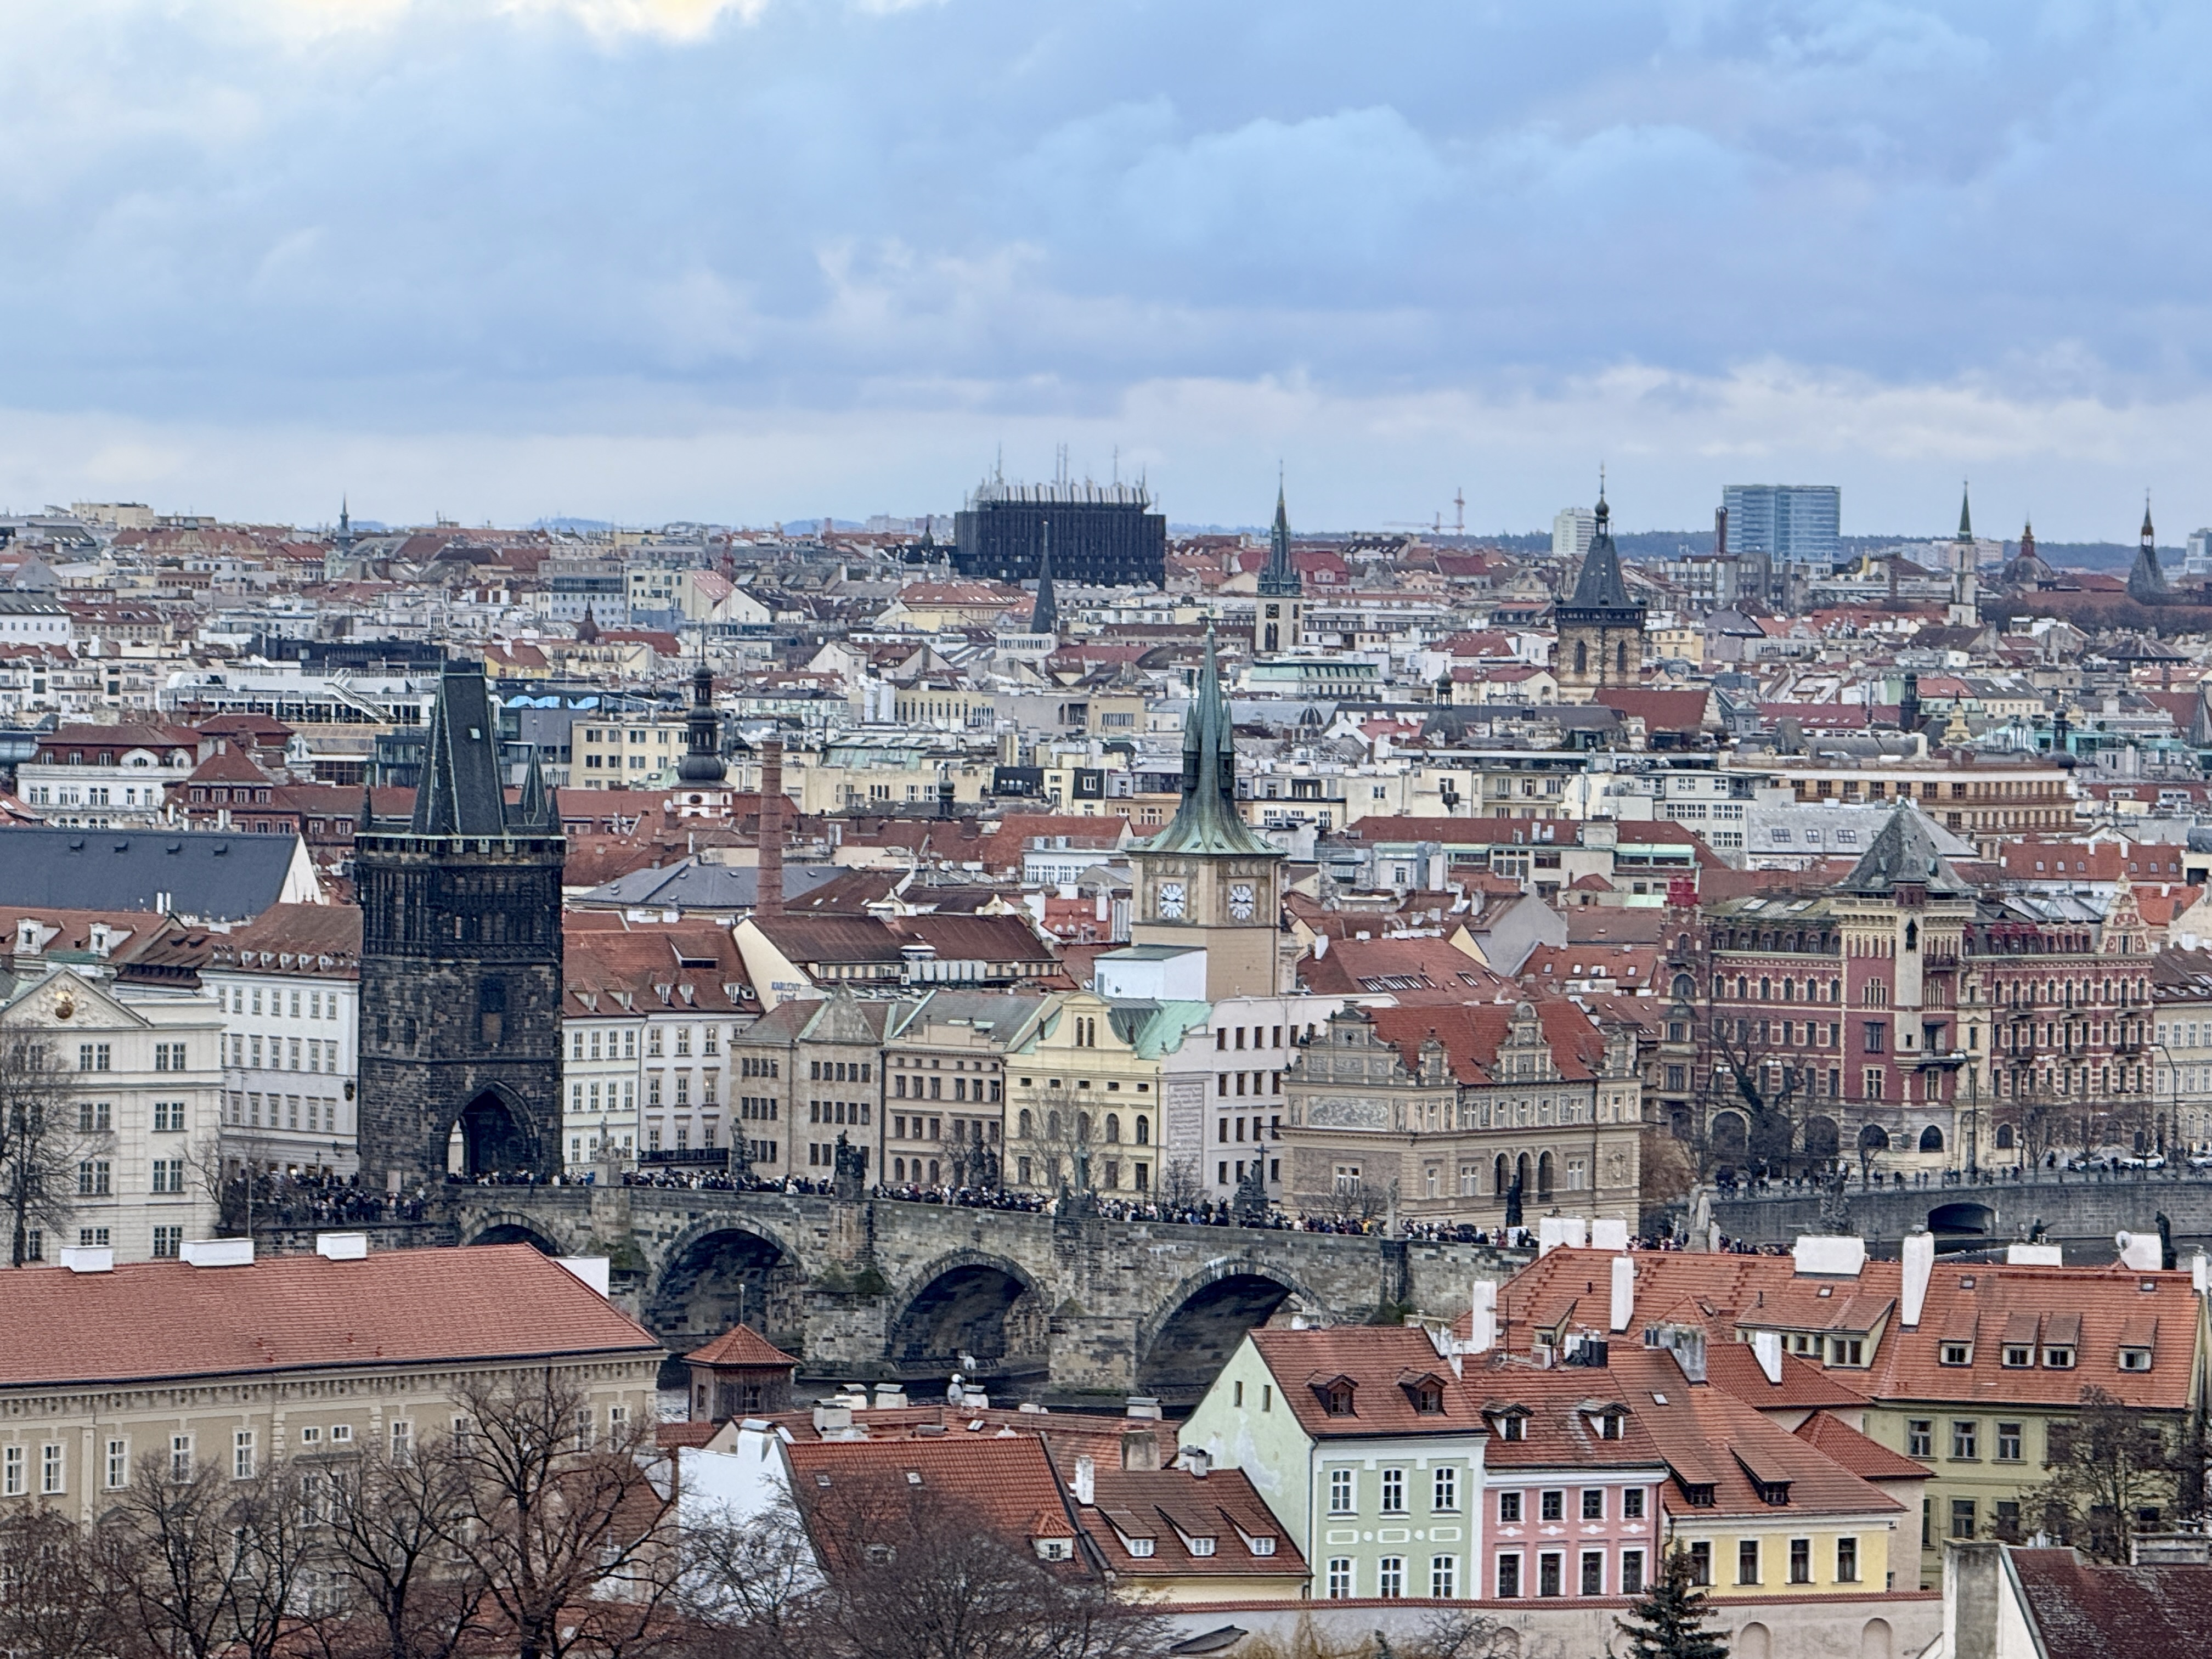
509, 1227
982, 1315
723, 1271
1962, 1217
1182, 1345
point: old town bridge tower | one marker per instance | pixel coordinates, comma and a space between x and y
461, 962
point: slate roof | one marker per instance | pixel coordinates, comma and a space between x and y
1904, 851
224, 878
461, 794
697, 886
154, 1321
2082, 1611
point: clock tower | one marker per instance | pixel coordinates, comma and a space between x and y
1208, 880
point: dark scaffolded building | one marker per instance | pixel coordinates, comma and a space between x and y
1103, 535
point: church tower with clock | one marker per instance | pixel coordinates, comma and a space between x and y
1209, 880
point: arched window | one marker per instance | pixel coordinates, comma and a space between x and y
1582, 657
1144, 1131
2005, 1136
1873, 1139
1112, 1128
1621, 660
1028, 1130
1912, 936
1931, 1139
1498, 1179
1052, 1125
1544, 1174
1082, 1127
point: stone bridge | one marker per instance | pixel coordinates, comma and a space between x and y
875, 1289
2081, 1211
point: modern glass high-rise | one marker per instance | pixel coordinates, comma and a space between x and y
1793, 524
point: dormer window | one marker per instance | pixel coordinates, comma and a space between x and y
1199, 1546
1334, 1394
1606, 1425
1424, 1392
1510, 1424
2058, 1359
2135, 1359
2016, 1359
1958, 1353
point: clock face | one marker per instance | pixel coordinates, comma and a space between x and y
1171, 901
1240, 901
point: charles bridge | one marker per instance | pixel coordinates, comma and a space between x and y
867, 1288
2078, 1210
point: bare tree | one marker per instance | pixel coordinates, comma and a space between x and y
46, 1133
2107, 1467
751, 1589
910, 1576
51, 1598
410, 1595
559, 1519
1744, 1068
210, 1560
1180, 1185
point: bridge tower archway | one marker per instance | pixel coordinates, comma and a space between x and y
509, 1228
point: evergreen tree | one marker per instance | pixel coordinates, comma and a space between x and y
1669, 1622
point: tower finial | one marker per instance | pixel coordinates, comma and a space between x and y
1965, 515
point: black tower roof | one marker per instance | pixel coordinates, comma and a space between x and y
1600, 594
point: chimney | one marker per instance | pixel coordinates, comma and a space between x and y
88, 1259
342, 1247
218, 1252
1195, 1461
768, 899
1919, 1255
102, 938
1139, 1450
1766, 1349
1482, 1324
1624, 1292
1086, 1482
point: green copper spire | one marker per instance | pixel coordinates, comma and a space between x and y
1278, 577
1966, 516
1208, 820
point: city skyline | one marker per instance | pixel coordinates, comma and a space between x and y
644, 259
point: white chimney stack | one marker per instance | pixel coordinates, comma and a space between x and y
1624, 1292
1086, 1482
1919, 1265
1482, 1325
1767, 1348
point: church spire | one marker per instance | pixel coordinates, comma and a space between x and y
1966, 516
1207, 820
1045, 619
702, 729
1279, 577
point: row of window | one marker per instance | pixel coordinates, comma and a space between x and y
246, 1052
282, 1112
319, 1005
961, 1088
586, 1044
2009, 1445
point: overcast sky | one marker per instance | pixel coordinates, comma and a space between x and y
767, 259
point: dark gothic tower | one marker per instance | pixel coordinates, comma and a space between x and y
461, 962
1045, 619
1278, 619
2146, 582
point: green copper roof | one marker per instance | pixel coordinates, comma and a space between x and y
1278, 577
1966, 516
1208, 820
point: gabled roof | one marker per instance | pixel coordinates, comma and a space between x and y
151, 1321
2085, 1611
222, 876
1867, 1459
1371, 1357
741, 1345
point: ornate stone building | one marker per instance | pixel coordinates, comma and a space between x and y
1600, 628
459, 1038
1481, 1114
1208, 881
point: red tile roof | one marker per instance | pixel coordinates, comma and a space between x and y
1004, 1484
1869, 1459
1373, 1359
1735, 1367
149, 1320
741, 1345
1174, 1509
